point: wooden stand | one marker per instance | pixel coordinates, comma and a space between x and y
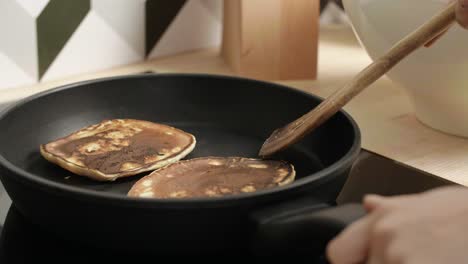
271, 39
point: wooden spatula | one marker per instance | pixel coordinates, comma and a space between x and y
296, 130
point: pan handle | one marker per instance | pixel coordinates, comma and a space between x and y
300, 228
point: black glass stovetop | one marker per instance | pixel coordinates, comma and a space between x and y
23, 242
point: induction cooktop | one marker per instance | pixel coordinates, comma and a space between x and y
23, 242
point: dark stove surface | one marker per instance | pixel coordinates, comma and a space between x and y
22, 242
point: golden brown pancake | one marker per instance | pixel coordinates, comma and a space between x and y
213, 177
119, 148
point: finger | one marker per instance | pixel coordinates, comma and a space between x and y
372, 201
375, 202
379, 252
352, 245
462, 13
376, 254
462, 18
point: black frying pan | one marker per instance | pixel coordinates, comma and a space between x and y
229, 117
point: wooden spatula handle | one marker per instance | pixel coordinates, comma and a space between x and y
296, 130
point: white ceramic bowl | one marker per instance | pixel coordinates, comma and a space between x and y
435, 78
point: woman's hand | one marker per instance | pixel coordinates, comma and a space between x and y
462, 13
462, 18
426, 228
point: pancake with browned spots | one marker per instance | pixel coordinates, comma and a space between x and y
119, 148
213, 177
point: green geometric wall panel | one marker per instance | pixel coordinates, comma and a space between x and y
45, 40
55, 25
177, 26
159, 15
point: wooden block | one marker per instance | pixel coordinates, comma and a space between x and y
271, 39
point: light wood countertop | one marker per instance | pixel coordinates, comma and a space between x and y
383, 112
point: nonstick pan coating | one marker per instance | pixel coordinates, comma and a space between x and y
229, 117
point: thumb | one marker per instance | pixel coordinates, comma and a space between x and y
372, 201
352, 245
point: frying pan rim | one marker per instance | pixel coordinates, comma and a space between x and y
97, 196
